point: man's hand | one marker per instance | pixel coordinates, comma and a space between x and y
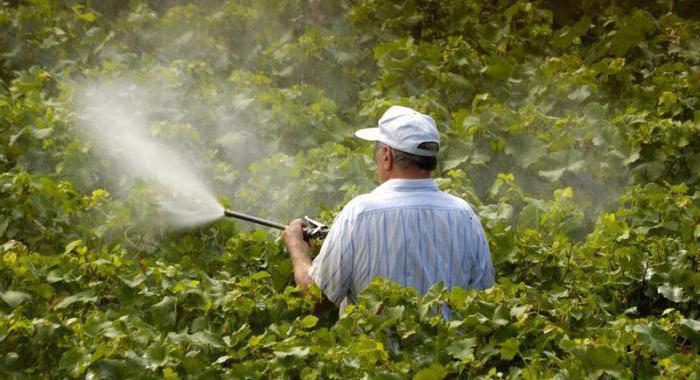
298, 248
293, 236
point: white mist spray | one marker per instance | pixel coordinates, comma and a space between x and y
113, 116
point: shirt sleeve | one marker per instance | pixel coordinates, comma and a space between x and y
482, 275
332, 269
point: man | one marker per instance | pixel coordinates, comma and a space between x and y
406, 230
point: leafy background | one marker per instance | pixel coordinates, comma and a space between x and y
571, 126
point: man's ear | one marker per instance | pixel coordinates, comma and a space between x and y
387, 158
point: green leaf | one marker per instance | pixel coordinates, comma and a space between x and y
673, 293
691, 328
89, 16
41, 133
509, 348
651, 170
601, 357
633, 157
566, 35
462, 349
631, 33
75, 361
656, 339
434, 372
164, 313
15, 136
309, 321
133, 281
527, 150
582, 93
72, 245
501, 316
297, 352
156, 355
451, 164
667, 98
518, 311
56, 275
458, 297
530, 216
498, 68
260, 275
13, 298
206, 338
84, 297
555, 175
552, 175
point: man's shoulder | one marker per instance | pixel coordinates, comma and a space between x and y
358, 205
361, 205
370, 202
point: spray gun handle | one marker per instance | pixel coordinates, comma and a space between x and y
314, 229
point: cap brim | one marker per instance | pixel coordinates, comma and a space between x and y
369, 134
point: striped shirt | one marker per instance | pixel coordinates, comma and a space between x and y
406, 231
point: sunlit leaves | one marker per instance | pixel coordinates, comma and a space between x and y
547, 117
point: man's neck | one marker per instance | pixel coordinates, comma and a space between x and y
408, 174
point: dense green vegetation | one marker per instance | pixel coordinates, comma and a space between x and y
573, 127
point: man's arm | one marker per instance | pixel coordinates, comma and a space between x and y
298, 249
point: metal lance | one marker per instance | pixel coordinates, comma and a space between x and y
312, 230
254, 219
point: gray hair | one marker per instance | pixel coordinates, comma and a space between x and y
407, 160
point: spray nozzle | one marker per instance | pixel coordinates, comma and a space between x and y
314, 229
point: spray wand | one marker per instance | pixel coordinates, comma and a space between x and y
312, 230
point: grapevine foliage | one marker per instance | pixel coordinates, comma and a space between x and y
573, 128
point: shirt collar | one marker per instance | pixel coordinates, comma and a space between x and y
401, 184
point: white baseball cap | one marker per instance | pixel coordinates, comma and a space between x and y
403, 129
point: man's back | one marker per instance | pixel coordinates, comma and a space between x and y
406, 231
